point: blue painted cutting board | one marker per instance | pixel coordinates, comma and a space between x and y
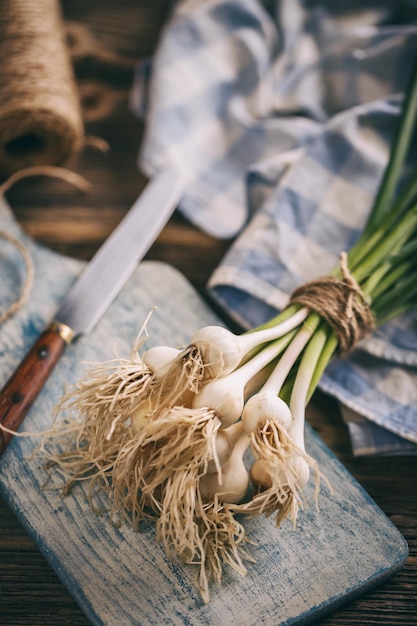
120, 577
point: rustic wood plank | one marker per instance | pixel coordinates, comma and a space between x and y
118, 574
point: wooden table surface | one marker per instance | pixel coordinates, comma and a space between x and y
73, 223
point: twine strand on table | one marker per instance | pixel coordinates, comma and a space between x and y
68, 176
28, 280
72, 178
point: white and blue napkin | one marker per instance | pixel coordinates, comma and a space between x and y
282, 112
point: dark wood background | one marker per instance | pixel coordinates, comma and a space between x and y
55, 214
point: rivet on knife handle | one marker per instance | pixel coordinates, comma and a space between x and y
24, 385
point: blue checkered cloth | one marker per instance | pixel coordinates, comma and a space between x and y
282, 114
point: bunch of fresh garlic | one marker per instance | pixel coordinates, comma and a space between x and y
190, 438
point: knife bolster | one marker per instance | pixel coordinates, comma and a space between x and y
64, 331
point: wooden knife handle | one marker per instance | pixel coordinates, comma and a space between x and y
24, 385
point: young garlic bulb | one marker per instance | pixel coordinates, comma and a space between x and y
231, 486
140, 416
223, 351
280, 470
263, 476
226, 395
226, 439
259, 475
264, 406
277, 430
273, 469
159, 357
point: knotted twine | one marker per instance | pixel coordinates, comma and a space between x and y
40, 115
341, 303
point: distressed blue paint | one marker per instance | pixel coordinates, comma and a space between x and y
122, 577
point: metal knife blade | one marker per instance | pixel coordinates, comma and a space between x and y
114, 262
90, 295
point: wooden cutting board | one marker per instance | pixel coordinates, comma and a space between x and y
122, 577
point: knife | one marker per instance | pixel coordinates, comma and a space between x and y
90, 295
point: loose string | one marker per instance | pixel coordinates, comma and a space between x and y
28, 280
41, 170
47, 170
341, 303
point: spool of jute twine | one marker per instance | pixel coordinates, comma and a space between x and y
40, 113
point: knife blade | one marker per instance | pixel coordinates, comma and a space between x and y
90, 295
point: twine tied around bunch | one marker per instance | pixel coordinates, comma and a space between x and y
341, 303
